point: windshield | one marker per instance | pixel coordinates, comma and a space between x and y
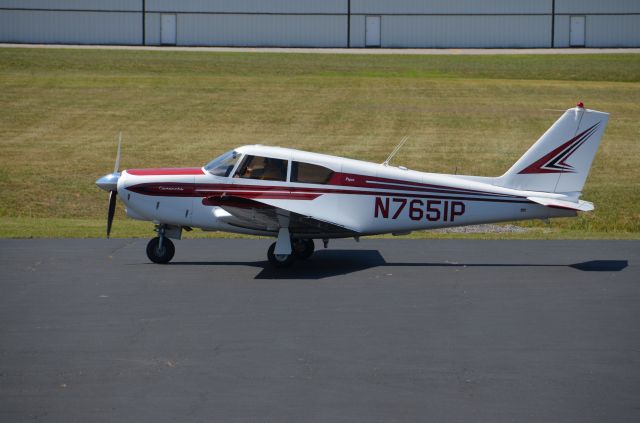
223, 165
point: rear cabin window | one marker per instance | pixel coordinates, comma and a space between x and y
263, 168
309, 173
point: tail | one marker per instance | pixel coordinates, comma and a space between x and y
561, 159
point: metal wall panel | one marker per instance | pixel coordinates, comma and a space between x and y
602, 30
612, 31
262, 30
313, 23
561, 36
152, 28
461, 31
112, 5
582, 7
357, 31
249, 6
70, 27
382, 7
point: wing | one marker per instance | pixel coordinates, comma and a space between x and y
251, 214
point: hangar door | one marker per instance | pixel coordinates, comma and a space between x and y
577, 29
168, 29
372, 31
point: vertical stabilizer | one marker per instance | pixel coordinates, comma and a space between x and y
561, 159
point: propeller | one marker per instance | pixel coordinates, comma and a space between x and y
110, 183
112, 210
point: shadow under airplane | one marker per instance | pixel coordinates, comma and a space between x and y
328, 263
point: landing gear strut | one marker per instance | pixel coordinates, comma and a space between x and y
160, 249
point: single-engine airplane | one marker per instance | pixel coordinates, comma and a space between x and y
297, 196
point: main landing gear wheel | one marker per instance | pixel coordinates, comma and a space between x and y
303, 248
279, 260
160, 254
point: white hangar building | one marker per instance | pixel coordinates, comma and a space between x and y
325, 23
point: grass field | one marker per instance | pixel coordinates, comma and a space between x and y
62, 111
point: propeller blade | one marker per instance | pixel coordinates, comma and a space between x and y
112, 210
115, 169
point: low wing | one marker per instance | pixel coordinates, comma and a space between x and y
252, 214
563, 204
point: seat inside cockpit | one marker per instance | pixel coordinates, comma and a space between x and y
263, 168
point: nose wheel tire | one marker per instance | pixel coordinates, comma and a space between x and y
160, 255
303, 248
279, 260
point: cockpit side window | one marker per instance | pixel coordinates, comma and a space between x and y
310, 173
263, 168
223, 165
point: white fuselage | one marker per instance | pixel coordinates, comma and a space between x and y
362, 197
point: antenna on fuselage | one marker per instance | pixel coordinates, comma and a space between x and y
395, 150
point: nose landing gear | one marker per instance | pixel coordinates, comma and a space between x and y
160, 249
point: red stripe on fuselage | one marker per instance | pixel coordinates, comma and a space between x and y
180, 189
340, 183
173, 171
337, 179
363, 181
174, 189
225, 197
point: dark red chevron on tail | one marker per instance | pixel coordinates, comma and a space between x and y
556, 160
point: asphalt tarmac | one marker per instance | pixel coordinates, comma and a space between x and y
376, 331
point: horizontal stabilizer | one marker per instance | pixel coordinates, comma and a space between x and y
563, 204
